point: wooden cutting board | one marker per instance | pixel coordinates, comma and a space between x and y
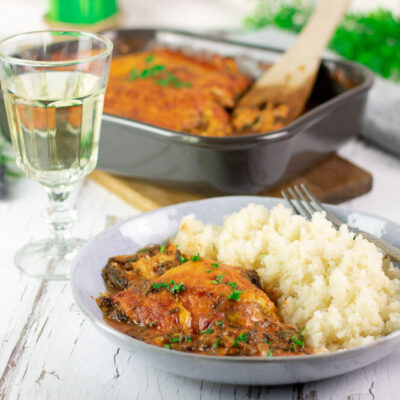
333, 181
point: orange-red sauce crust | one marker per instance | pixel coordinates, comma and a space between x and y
198, 100
196, 306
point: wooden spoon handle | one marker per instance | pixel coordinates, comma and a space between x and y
295, 72
315, 36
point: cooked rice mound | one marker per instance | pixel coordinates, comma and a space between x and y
335, 285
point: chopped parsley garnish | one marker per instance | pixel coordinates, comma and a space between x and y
208, 330
164, 76
296, 342
176, 339
143, 251
216, 344
183, 260
167, 346
188, 339
158, 286
134, 74
215, 265
242, 338
208, 272
233, 284
170, 79
270, 353
219, 323
218, 279
177, 287
235, 295
196, 257
146, 73
162, 248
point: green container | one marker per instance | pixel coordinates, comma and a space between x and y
81, 11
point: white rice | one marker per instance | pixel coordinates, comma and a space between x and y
337, 287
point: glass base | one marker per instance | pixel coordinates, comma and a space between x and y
44, 259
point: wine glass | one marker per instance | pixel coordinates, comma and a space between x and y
53, 83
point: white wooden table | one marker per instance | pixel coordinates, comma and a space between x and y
48, 350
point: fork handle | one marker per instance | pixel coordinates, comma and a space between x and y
392, 251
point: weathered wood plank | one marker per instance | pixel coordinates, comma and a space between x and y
22, 294
56, 353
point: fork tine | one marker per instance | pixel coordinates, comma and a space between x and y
312, 198
303, 211
286, 197
311, 208
295, 208
321, 208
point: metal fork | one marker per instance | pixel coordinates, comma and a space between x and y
304, 203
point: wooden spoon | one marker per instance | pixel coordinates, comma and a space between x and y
291, 79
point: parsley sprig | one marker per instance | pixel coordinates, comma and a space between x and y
183, 260
172, 80
196, 257
216, 344
176, 339
218, 279
296, 341
164, 76
243, 337
235, 295
146, 73
175, 287
158, 286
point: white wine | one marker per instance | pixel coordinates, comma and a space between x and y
54, 120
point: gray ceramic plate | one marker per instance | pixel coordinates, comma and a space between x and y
159, 225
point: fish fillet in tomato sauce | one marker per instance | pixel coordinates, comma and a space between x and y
176, 91
195, 305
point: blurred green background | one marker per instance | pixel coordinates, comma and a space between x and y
371, 38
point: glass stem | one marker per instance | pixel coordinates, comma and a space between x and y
60, 217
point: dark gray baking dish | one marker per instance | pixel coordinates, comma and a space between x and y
235, 165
